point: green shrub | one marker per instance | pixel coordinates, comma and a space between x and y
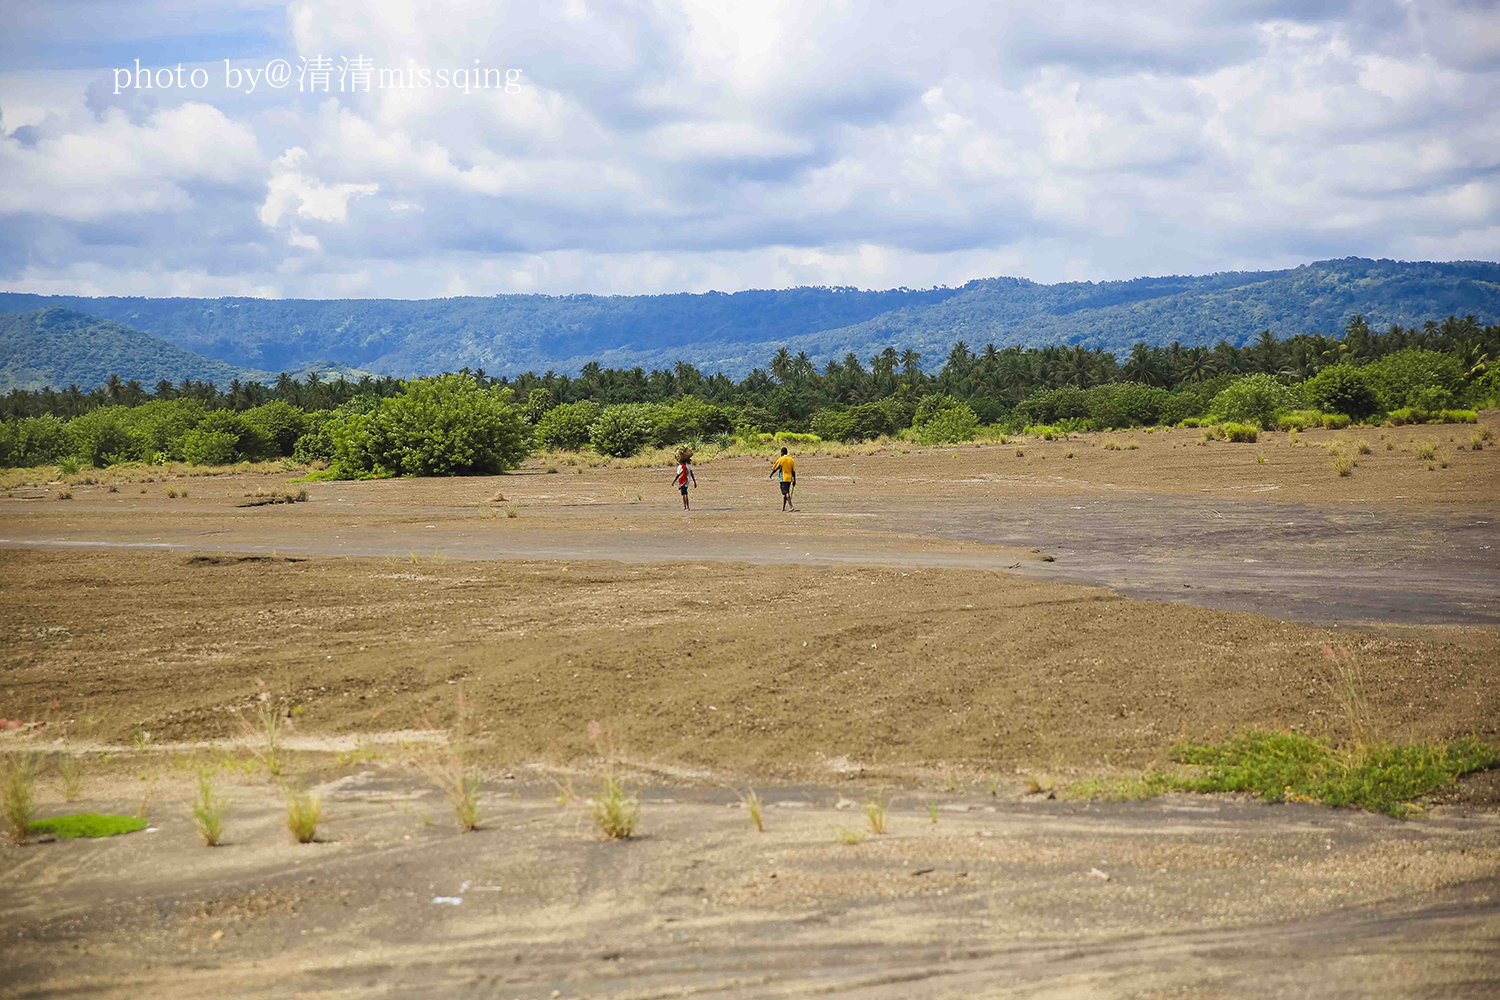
538, 402
1343, 388
929, 407
206, 447
1243, 433
951, 426
1252, 399
1401, 379
33, 441
833, 425
315, 444
1460, 417
440, 426
566, 426
158, 427
1127, 404
1408, 415
622, 430
792, 437
203, 445
1297, 420
101, 436
279, 424
1336, 421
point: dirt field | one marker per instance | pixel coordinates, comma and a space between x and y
945, 624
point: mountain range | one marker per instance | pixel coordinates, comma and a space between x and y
248, 338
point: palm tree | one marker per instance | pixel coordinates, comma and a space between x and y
1197, 365
781, 365
1141, 367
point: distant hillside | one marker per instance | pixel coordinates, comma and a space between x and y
513, 333
60, 347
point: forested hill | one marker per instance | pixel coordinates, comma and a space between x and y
732, 333
59, 347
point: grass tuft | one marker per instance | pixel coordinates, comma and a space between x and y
18, 794
208, 812
449, 769
875, 811
302, 812
751, 801
70, 770
615, 812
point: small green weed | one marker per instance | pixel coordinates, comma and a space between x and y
1384, 777
846, 836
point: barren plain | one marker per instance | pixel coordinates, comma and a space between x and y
944, 629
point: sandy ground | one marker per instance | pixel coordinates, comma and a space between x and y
940, 625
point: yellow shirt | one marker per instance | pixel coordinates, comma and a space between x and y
787, 468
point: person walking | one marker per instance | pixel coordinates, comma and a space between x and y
786, 468
685, 475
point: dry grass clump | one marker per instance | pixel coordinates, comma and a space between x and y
615, 812
302, 812
70, 770
450, 770
751, 802
875, 812
18, 794
208, 813
263, 497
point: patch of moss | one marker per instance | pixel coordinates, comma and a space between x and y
88, 825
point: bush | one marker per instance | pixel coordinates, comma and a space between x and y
1400, 379
833, 425
1336, 421
688, 419
1297, 420
1343, 388
33, 441
538, 403
1243, 433
566, 426
441, 426
279, 424
1127, 404
792, 437
1252, 399
247, 443
949, 427
314, 445
101, 436
1460, 417
158, 427
929, 407
622, 430
208, 447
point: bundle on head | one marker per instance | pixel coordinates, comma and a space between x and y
684, 454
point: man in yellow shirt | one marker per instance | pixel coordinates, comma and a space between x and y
786, 468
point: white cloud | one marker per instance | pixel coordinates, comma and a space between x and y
695, 144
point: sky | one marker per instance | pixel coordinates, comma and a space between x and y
678, 145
